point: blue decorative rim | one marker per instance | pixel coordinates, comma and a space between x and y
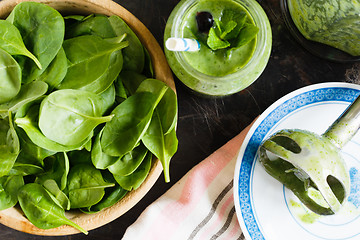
327, 94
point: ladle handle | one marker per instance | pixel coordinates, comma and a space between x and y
346, 126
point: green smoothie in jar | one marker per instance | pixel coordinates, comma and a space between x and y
235, 43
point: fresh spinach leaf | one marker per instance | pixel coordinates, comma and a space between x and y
112, 196
161, 145
25, 169
29, 123
30, 160
107, 99
40, 208
131, 80
79, 157
56, 71
167, 106
9, 145
109, 27
88, 145
121, 93
29, 92
134, 57
168, 111
127, 164
91, 25
148, 70
100, 159
11, 41
104, 81
59, 196
42, 29
154, 86
88, 59
134, 180
31, 153
10, 76
9, 187
86, 186
57, 169
69, 116
76, 17
131, 119
71, 20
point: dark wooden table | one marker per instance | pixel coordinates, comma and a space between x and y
206, 124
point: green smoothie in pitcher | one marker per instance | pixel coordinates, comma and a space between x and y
235, 43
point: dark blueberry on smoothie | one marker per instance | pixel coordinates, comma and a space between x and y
204, 21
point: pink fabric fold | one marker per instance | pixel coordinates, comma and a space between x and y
199, 206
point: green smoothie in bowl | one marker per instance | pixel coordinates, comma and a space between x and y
332, 22
234, 38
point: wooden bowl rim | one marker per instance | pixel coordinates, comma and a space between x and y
13, 217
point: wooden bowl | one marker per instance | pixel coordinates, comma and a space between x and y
14, 217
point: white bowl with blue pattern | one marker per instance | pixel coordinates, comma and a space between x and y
266, 210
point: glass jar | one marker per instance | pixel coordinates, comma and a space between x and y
229, 83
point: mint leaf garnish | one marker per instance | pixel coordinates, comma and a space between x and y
228, 28
240, 19
231, 30
247, 33
215, 42
218, 25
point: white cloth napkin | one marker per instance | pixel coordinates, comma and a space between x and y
199, 206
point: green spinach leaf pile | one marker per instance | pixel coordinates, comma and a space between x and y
81, 116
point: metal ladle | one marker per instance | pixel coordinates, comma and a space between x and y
302, 160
